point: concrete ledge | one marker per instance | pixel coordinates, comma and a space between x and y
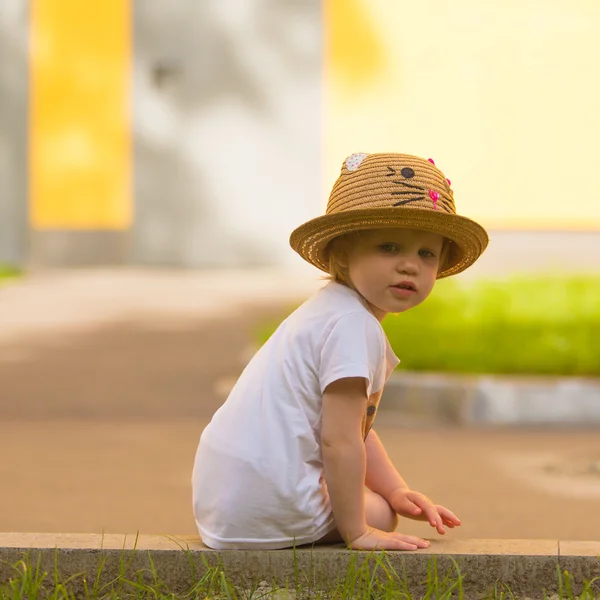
425, 398
528, 567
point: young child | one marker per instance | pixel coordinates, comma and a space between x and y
290, 458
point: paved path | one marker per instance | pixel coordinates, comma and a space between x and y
107, 379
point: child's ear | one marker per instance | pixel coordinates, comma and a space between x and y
342, 257
444, 254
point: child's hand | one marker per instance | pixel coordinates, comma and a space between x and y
375, 539
414, 505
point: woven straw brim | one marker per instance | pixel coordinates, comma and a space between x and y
469, 238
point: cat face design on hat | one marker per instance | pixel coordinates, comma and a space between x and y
381, 190
421, 181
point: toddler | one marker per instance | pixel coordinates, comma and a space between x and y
291, 457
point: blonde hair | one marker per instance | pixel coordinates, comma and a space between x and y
337, 253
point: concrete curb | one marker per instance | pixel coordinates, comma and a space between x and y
528, 567
426, 398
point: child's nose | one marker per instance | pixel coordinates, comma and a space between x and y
408, 264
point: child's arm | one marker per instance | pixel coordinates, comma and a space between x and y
344, 457
344, 462
383, 479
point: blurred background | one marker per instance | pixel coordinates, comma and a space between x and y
154, 158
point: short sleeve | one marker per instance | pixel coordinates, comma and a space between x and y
354, 348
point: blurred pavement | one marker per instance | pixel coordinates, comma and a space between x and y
108, 377
71, 300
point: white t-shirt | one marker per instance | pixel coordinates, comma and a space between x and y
258, 474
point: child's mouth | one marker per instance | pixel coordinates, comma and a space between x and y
404, 289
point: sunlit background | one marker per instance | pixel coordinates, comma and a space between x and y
505, 94
154, 158
148, 133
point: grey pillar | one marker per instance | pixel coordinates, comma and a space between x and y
14, 75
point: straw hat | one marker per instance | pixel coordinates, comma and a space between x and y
391, 190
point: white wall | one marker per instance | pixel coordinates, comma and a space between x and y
227, 127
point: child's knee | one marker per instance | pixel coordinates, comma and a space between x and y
379, 513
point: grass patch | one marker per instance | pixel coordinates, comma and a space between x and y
9, 272
543, 326
373, 578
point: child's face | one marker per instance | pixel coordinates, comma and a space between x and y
394, 269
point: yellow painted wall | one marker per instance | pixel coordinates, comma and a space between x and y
80, 158
503, 95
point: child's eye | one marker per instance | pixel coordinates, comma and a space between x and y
426, 253
388, 248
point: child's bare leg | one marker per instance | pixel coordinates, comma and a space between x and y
378, 512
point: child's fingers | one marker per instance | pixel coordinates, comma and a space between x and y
452, 524
436, 521
448, 515
428, 510
440, 527
373, 539
409, 540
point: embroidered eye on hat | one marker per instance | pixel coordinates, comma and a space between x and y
377, 191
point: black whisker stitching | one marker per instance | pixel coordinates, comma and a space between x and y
407, 201
414, 187
393, 172
401, 193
